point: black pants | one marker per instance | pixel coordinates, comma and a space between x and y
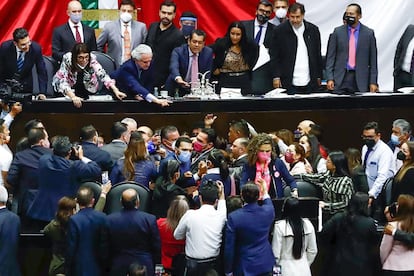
197, 267
348, 85
403, 79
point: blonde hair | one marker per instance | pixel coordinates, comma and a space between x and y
177, 209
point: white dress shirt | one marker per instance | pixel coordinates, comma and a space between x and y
202, 230
301, 73
257, 28
80, 29
406, 65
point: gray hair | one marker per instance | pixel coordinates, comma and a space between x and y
3, 194
403, 125
140, 50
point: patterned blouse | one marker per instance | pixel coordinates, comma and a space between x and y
234, 62
65, 79
337, 190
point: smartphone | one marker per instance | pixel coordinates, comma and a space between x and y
105, 177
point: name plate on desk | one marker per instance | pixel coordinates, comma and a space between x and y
230, 93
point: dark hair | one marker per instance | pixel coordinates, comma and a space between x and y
199, 33
19, 33
208, 191
65, 210
22, 144
77, 49
211, 135
167, 130
31, 124
286, 135
314, 154
250, 192
118, 129
127, 2
61, 146
265, 3
188, 14
354, 158
84, 196
87, 133
233, 203
35, 135
171, 168
372, 125
136, 269
405, 213
316, 130
299, 150
359, 9
218, 160
357, 206
168, 3
291, 213
296, 6
241, 127
340, 162
244, 39
182, 139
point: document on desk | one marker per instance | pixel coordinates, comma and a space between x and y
264, 57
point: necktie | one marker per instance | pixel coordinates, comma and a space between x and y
258, 35
127, 43
77, 34
369, 150
20, 62
352, 50
194, 69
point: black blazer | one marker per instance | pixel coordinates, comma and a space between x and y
402, 48
8, 65
283, 53
63, 40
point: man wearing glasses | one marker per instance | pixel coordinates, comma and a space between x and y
17, 58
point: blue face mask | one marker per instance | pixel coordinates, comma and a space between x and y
76, 17
187, 30
395, 140
184, 156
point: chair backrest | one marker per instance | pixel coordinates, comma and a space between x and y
95, 187
309, 208
51, 68
306, 189
113, 199
107, 62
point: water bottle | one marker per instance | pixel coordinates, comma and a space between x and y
176, 94
156, 91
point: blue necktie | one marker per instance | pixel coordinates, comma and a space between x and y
20, 61
258, 35
369, 150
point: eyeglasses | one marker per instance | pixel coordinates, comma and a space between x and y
264, 11
368, 137
83, 57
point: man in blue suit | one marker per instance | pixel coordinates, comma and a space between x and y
351, 69
134, 236
9, 237
20, 69
247, 248
87, 238
182, 60
136, 78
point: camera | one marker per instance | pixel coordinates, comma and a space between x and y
12, 92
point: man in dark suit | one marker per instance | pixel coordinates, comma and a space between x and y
120, 136
87, 238
296, 54
351, 69
22, 175
17, 58
403, 60
261, 31
247, 250
136, 77
9, 237
163, 37
64, 37
89, 141
134, 236
182, 59
123, 35
239, 155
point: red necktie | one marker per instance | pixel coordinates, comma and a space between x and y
77, 34
127, 44
352, 49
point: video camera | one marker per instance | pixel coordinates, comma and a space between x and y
12, 92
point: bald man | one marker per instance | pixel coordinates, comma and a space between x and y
74, 31
134, 236
305, 126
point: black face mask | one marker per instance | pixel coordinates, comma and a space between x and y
350, 20
262, 18
401, 156
370, 143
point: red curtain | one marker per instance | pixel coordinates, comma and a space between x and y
40, 17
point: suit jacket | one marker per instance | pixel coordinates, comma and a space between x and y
103, 158
115, 149
58, 177
262, 80
134, 236
63, 40
22, 175
9, 240
180, 61
87, 243
278, 171
401, 50
283, 53
162, 44
8, 66
128, 79
366, 70
247, 249
112, 36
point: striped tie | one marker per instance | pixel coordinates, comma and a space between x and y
20, 61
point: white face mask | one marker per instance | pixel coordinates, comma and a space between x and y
125, 17
281, 13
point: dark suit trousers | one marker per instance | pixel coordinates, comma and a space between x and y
348, 85
403, 79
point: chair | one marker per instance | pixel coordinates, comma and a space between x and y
108, 64
308, 208
51, 68
306, 189
113, 199
95, 187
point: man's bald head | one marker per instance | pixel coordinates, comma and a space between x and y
130, 199
305, 126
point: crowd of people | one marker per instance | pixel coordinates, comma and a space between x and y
254, 56
210, 198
